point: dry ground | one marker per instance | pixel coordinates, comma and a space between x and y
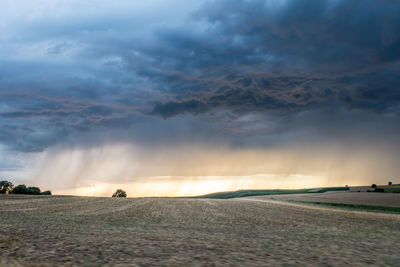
186, 232
345, 197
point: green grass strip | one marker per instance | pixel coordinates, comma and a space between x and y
247, 193
352, 206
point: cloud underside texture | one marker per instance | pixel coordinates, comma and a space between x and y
243, 74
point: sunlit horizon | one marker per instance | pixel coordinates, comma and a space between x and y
194, 186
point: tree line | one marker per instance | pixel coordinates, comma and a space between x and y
7, 187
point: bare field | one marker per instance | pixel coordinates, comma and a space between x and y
56, 230
345, 197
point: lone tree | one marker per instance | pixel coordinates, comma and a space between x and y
6, 187
390, 183
373, 185
119, 193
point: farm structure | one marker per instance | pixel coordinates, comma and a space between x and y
393, 188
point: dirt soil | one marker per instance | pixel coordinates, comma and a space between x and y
362, 198
56, 230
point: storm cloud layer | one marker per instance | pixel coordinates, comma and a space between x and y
238, 74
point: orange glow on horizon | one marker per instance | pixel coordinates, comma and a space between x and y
191, 170
193, 186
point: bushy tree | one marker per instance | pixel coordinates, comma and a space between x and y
373, 185
390, 183
34, 190
20, 189
23, 189
46, 193
6, 187
119, 193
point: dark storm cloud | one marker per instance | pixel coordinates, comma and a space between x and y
33, 118
265, 55
317, 32
235, 58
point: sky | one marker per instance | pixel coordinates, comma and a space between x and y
182, 97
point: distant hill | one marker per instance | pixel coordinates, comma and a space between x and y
247, 193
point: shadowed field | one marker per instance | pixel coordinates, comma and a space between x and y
356, 198
168, 231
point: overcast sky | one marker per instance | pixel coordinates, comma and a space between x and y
184, 97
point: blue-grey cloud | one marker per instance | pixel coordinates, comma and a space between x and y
142, 75
306, 52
